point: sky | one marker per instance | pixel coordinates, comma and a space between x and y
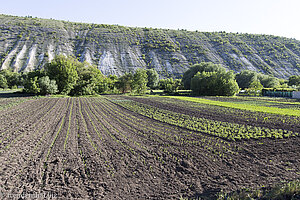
275, 17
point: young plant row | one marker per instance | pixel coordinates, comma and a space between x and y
11, 103
39, 139
117, 128
231, 131
160, 132
250, 117
169, 133
83, 113
45, 110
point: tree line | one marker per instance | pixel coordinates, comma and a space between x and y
68, 76
207, 78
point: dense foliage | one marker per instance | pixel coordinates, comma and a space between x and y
214, 83
202, 67
246, 78
64, 71
294, 80
153, 78
68, 76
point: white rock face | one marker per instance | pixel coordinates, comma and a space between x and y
155, 62
169, 67
87, 57
51, 52
31, 61
19, 59
7, 61
107, 64
247, 64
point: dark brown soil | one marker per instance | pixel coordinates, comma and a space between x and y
90, 148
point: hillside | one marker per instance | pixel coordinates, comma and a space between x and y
27, 43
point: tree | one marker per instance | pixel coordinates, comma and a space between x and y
169, 85
12, 78
294, 80
64, 71
47, 86
245, 78
3, 82
90, 80
111, 83
31, 86
268, 81
153, 78
124, 83
140, 81
214, 83
256, 85
202, 67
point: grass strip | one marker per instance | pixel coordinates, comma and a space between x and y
249, 107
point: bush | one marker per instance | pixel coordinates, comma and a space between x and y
47, 86
294, 80
3, 82
202, 67
245, 78
64, 71
31, 86
214, 83
169, 85
153, 78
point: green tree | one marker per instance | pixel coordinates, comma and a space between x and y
245, 78
294, 80
140, 81
268, 81
214, 83
12, 78
202, 67
153, 78
47, 86
124, 83
111, 83
90, 80
3, 82
31, 86
64, 71
256, 85
169, 85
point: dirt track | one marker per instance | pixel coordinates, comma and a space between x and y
90, 148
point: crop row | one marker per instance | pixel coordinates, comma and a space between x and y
8, 103
160, 132
32, 139
120, 125
43, 111
225, 113
227, 130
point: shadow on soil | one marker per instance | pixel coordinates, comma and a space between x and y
11, 94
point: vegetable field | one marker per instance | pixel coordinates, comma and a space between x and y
122, 147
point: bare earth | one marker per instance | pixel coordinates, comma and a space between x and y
91, 148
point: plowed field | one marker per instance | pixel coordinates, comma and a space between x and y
95, 148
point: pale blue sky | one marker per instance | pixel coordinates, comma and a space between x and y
276, 17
